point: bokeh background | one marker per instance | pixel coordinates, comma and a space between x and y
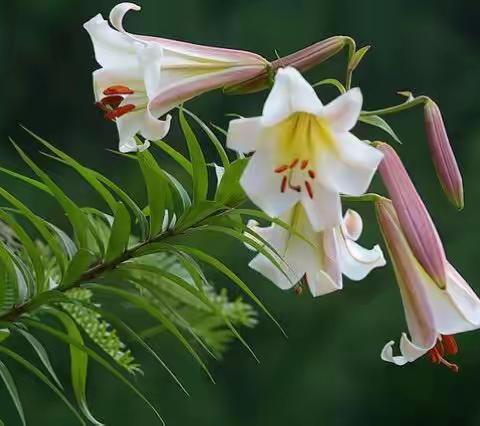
328, 372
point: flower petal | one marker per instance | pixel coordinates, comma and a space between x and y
409, 351
290, 93
153, 128
112, 49
352, 225
343, 112
128, 126
118, 13
320, 283
107, 77
351, 167
263, 185
324, 210
245, 134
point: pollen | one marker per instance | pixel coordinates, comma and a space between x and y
281, 169
294, 163
283, 185
312, 174
118, 112
309, 189
445, 345
113, 101
303, 164
118, 90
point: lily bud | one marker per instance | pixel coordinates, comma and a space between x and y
413, 216
442, 155
302, 60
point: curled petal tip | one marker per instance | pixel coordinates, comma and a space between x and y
118, 13
442, 154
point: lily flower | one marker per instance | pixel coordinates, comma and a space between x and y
142, 78
320, 258
304, 151
433, 314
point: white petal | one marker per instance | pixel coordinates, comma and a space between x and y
409, 351
130, 77
351, 168
151, 57
112, 49
263, 185
118, 13
320, 283
245, 134
128, 126
153, 128
290, 93
219, 172
352, 225
324, 210
356, 262
343, 112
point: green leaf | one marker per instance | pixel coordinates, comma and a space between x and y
12, 390
75, 215
213, 138
331, 82
33, 182
9, 284
120, 234
34, 370
146, 306
197, 213
42, 354
219, 266
357, 57
200, 173
230, 192
173, 153
156, 190
377, 121
77, 266
67, 339
78, 365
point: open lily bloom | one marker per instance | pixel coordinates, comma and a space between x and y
142, 78
319, 257
433, 314
304, 151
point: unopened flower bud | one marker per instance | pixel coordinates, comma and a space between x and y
414, 218
302, 60
442, 155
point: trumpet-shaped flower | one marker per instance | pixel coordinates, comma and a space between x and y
319, 257
433, 314
142, 78
304, 151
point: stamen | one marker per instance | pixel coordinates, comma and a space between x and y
118, 112
312, 174
450, 365
450, 345
101, 106
113, 101
118, 90
309, 189
303, 164
294, 163
283, 185
281, 169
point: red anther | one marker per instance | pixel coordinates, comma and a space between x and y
283, 186
118, 112
450, 345
440, 348
113, 101
309, 189
118, 90
101, 106
434, 355
312, 174
303, 164
294, 163
281, 169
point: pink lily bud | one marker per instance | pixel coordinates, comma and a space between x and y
413, 215
442, 155
302, 60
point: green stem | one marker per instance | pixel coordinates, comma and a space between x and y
352, 47
398, 108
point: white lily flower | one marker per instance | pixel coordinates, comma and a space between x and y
142, 78
304, 151
433, 314
321, 257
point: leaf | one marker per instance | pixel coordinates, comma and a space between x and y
12, 390
197, 213
213, 138
332, 82
78, 365
78, 265
67, 339
33, 182
230, 192
74, 214
156, 190
42, 354
120, 234
9, 284
200, 173
34, 370
173, 153
377, 121
216, 264
357, 57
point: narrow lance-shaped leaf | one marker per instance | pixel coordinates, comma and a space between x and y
77, 266
120, 233
12, 390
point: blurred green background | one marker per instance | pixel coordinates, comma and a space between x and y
328, 372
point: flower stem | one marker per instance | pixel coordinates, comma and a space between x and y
398, 108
